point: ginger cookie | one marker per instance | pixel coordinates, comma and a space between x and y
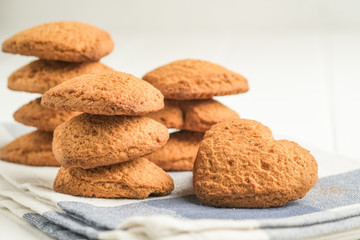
239, 164
63, 41
172, 116
179, 153
193, 115
41, 75
32, 149
89, 141
195, 79
35, 115
133, 179
105, 93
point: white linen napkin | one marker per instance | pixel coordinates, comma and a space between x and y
331, 209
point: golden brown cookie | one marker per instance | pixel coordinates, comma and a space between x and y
195, 79
193, 115
105, 93
46, 119
172, 115
30, 149
62, 41
41, 75
89, 141
239, 164
179, 153
133, 179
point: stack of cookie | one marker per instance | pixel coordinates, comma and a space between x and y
66, 50
101, 150
188, 86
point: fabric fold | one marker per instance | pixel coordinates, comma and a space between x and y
330, 209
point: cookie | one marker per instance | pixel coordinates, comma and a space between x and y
240, 165
195, 79
89, 141
193, 115
179, 153
105, 93
133, 179
172, 116
41, 75
62, 41
30, 149
35, 115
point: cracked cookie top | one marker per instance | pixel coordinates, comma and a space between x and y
240, 164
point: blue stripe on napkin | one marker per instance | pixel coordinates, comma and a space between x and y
328, 193
52, 229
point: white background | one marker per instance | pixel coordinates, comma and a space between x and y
302, 58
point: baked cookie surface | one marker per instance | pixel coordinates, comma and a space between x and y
35, 115
195, 79
62, 41
172, 116
133, 179
239, 164
41, 75
105, 93
89, 141
193, 115
179, 153
32, 149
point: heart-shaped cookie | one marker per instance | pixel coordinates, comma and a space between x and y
132, 179
240, 164
32, 149
46, 119
41, 75
195, 79
67, 41
179, 153
89, 141
193, 115
105, 93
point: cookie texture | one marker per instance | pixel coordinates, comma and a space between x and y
105, 93
35, 115
62, 41
133, 179
195, 79
239, 164
193, 115
179, 153
41, 75
89, 141
32, 149
172, 115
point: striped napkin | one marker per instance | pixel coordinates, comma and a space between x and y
331, 210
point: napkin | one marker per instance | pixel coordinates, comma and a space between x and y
330, 210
